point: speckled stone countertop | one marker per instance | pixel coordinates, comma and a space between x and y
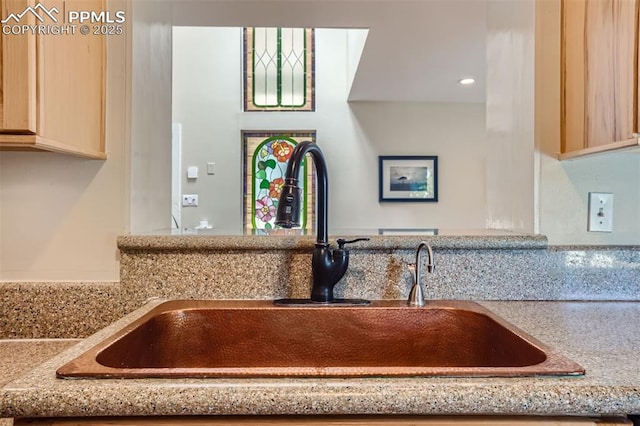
479, 240
603, 337
55, 310
20, 355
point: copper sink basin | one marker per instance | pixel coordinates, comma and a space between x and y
257, 339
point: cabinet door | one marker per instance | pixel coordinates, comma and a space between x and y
599, 41
17, 75
71, 84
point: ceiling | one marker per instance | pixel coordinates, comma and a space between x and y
416, 50
419, 51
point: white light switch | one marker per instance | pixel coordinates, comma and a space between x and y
192, 172
600, 212
211, 168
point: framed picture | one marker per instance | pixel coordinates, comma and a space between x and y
408, 178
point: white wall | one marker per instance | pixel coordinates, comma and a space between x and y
510, 117
564, 198
150, 182
60, 215
207, 102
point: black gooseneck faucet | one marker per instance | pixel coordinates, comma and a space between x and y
328, 266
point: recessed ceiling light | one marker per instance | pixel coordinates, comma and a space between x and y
467, 81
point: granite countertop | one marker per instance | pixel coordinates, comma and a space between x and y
602, 336
17, 356
386, 239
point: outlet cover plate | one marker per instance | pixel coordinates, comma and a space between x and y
600, 212
189, 200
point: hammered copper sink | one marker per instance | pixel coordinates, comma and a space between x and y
257, 339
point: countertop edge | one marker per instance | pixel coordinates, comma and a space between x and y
39, 394
376, 242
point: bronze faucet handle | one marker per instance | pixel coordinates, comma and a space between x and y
341, 242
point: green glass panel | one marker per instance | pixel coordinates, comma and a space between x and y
279, 67
292, 67
266, 54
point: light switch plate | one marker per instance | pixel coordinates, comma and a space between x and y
600, 212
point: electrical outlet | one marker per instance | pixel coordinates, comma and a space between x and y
600, 212
189, 200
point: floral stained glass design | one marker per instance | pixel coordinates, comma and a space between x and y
266, 159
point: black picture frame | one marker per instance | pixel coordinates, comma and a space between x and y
408, 178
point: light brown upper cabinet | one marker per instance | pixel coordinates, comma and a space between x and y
51, 85
599, 76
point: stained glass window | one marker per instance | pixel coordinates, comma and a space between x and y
266, 156
278, 69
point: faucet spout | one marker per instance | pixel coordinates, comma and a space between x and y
430, 266
328, 266
288, 212
416, 297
